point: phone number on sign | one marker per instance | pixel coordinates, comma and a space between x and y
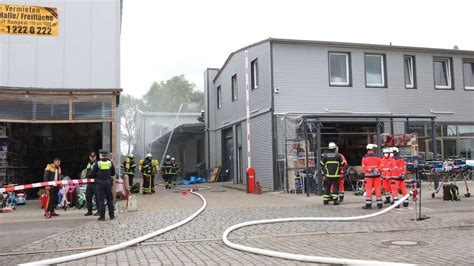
29, 30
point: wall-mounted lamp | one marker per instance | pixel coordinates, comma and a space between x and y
339, 111
276, 90
442, 112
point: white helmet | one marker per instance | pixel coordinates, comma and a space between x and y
371, 146
332, 145
395, 149
387, 150
168, 157
130, 156
148, 155
173, 159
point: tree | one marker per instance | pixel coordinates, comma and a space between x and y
128, 109
167, 96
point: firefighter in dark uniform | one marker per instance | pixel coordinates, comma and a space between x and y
129, 167
331, 164
176, 170
91, 187
167, 172
102, 171
149, 168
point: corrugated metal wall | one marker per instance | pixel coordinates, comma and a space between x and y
85, 54
301, 74
262, 150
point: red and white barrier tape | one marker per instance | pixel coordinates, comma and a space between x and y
45, 184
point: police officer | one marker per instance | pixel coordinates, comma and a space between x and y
129, 167
102, 171
331, 164
91, 187
167, 172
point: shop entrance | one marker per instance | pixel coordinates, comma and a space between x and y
350, 137
27, 148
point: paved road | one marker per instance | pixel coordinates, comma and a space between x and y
446, 238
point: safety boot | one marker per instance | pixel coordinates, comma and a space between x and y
387, 200
336, 202
367, 207
325, 202
395, 201
341, 198
88, 214
405, 204
379, 205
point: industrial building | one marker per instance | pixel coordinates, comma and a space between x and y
304, 94
59, 88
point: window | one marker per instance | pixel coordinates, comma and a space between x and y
375, 70
468, 69
466, 147
466, 131
409, 66
219, 97
254, 69
442, 73
234, 87
339, 73
449, 131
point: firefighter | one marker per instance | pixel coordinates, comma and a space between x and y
176, 170
167, 172
52, 173
102, 171
371, 164
388, 164
331, 165
129, 167
148, 167
91, 187
398, 177
342, 170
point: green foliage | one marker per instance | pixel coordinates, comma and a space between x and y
166, 96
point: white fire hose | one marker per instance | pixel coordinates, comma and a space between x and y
306, 258
124, 244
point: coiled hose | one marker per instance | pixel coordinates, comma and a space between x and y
124, 244
306, 258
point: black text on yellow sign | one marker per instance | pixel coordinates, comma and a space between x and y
28, 20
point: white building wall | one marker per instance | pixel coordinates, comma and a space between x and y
85, 54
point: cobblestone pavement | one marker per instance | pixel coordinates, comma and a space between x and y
446, 238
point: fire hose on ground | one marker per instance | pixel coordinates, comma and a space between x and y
307, 258
124, 244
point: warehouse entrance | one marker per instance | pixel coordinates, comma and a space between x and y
301, 139
28, 147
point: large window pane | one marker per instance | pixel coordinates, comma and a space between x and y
449, 148
468, 68
429, 156
339, 68
374, 70
442, 73
466, 131
466, 147
417, 129
449, 131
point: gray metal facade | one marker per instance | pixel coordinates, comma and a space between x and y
300, 84
85, 54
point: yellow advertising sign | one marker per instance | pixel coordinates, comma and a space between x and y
28, 20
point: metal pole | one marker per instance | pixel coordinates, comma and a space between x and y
391, 126
247, 95
306, 142
377, 139
171, 135
318, 157
286, 183
433, 147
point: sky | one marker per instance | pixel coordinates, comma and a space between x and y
164, 38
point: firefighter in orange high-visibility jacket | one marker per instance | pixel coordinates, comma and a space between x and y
398, 177
331, 164
371, 164
388, 163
